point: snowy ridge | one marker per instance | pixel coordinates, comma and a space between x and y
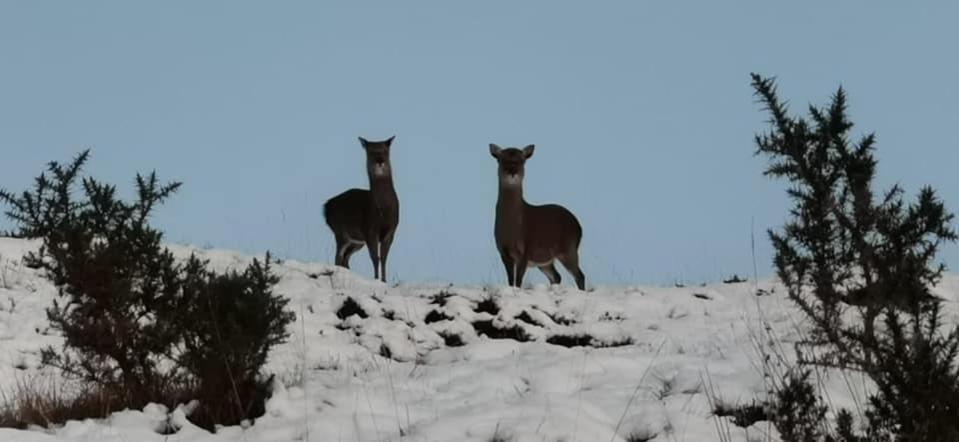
370, 362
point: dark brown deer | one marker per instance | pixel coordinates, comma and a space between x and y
528, 235
360, 217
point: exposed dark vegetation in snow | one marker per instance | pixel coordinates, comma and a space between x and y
640, 437
487, 305
525, 317
494, 331
441, 297
562, 319
585, 340
350, 308
571, 340
436, 316
452, 340
744, 416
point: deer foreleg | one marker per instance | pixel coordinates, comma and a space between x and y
385, 245
373, 244
508, 263
520, 271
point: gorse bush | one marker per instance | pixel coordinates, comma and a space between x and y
137, 322
861, 269
118, 287
225, 352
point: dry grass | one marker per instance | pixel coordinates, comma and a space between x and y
43, 401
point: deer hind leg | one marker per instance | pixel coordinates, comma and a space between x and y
351, 248
571, 261
342, 245
550, 271
345, 247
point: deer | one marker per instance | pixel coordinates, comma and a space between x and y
528, 235
360, 217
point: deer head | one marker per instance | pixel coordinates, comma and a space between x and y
512, 163
378, 157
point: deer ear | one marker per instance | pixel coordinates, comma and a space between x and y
389, 141
528, 151
363, 142
494, 150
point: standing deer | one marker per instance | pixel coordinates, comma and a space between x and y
361, 217
528, 235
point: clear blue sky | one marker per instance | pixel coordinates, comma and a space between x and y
641, 112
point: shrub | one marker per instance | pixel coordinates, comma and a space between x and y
138, 324
236, 320
848, 260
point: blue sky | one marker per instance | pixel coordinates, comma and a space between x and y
641, 112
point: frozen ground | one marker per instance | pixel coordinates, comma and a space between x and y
435, 363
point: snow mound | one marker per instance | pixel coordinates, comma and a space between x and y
372, 362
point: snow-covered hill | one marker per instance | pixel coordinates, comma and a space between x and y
371, 362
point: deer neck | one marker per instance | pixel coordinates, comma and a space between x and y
381, 187
509, 205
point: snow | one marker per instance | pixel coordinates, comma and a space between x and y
415, 367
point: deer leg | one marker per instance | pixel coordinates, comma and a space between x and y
520, 271
571, 262
342, 244
508, 263
550, 271
373, 244
351, 248
385, 245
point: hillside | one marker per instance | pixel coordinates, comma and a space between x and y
371, 362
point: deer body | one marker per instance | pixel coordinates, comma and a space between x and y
528, 235
360, 217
